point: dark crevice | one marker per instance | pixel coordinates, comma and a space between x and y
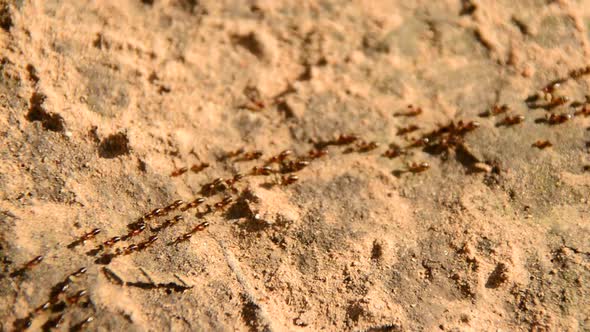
498, 276
5, 17
50, 121
250, 314
114, 145
33, 76
250, 43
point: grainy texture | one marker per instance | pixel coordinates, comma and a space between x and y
102, 101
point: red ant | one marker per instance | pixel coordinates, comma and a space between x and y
252, 155
407, 130
419, 142
554, 119
223, 203
193, 204
290, 179
264, 170
294, 166
542, 144
280, 157
34, 262
175, 205
179, 172
315, 154
197, 168
29, 265
496, 110
393, 152
367, 146
110, 242
418, 168
412, 111
511, 120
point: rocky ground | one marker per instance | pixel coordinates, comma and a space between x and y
111, 109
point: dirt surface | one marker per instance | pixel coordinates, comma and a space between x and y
111, 109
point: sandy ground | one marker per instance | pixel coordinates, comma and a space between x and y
105, 104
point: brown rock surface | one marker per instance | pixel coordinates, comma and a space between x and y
102, 101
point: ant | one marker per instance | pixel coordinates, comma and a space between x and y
85, 237
585, 111
76, 297
342, 139
223, 203
496, 110
557, 101
23, 323
155, 213
345, 139
130, 249
200, 227
42, 307
78, 273
187, 236
213, 187
411, 112
64, 285
418, 168
511, 120
367, 146
554, 119
393, 151
542, 144
168, 223
294, 166
59, 289
179, 171
175, 205
54, 323
290, 179
232, 154
80, 326
315, 154
463, 128
182, 238
29, 265
110, 242
138, 230
249, 156
34, 262
264, 170
193, 204
551, 87
197, 168
232, 182
413, 168
90, 234
280, 157
407, 130
419, 142
149, 242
